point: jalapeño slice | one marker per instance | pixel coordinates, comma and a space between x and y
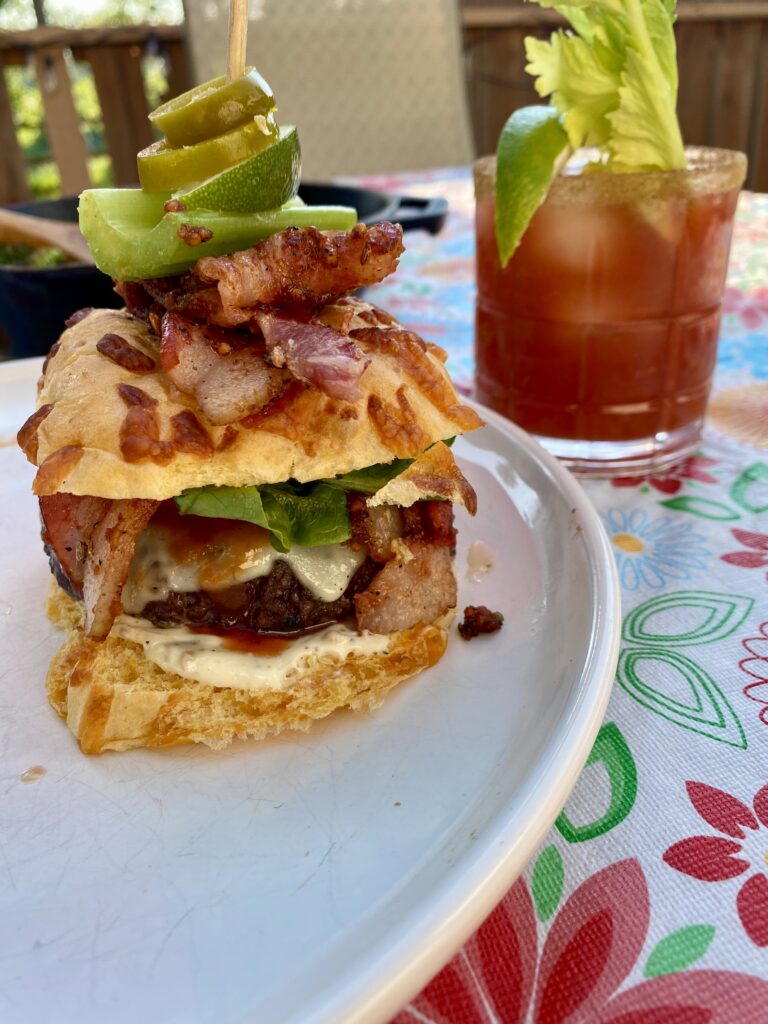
213, 108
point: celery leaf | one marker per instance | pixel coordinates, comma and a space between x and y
613, 80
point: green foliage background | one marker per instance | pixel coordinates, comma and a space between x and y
24, 93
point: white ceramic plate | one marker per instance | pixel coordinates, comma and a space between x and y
310, 878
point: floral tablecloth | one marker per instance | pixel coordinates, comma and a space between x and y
648, 901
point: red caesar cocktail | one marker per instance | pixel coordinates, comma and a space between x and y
600, 334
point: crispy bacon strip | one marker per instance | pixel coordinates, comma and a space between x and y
416, 586
110, 551
315, 354
302, 267
91, 542
67, 523
298, 268
228, 382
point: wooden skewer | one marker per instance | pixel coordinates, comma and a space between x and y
238, 34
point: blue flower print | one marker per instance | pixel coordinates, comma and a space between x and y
652, 550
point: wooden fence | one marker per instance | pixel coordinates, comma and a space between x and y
722, 56
115, 55
722, 49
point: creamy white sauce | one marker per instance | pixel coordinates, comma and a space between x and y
206, 659
324, 571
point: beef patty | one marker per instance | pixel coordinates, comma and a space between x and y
275, 603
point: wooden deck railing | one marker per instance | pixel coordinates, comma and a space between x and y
722, 56
722, 50
114, 55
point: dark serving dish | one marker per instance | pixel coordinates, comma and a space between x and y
35, 301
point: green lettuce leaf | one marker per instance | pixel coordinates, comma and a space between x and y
308, 515
371, 479
614, 80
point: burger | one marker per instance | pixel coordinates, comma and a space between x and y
246, 490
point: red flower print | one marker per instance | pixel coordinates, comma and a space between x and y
757, 667
670, 483
593, 944
756, 557
712, 859
751, 307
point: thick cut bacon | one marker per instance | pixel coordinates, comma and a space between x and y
416, 586
302, 267
228, 382
91, 543
316, 354
67, 523
110, 552
183, 295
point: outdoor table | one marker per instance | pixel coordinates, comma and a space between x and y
647, 903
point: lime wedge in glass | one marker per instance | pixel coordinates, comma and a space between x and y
533, 145
262, 182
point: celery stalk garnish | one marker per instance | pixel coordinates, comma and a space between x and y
612, 83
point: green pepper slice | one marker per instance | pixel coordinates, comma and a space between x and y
213, 108
131, 238
163, 167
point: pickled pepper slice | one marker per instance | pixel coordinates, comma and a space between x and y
163, 167
213, 108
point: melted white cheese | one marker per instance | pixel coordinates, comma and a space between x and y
206, 659
324, 571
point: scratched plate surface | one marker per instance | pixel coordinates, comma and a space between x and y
319, 877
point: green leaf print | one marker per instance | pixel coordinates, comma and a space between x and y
679, 950
686, 618
750, 490
681, 691
547, 882
704, 508
610, 749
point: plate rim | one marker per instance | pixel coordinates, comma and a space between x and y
431, 943
396, 969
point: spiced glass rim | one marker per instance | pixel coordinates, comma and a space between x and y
709, 172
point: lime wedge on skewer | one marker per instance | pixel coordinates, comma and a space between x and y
533, 145
262, 182
163, 167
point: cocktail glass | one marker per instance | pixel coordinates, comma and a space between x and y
600, 335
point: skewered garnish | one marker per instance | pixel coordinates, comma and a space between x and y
163, 167
224, 178
213, 108
261, 182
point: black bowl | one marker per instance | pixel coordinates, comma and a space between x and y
35, 301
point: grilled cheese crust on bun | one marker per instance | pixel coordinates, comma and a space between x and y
245, 496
